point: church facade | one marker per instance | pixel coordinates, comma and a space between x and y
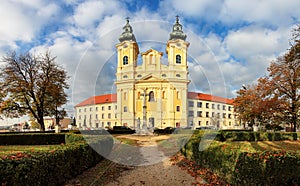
154, 94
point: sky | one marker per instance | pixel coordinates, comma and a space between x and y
231, 42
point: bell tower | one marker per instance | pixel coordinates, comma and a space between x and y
127, 50
127, 55
177, 48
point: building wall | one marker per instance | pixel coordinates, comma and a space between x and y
96, 116
210, 113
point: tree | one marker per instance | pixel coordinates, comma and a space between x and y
276, 97
284, 75
255, 105
33, 85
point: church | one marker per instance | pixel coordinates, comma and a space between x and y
153, 94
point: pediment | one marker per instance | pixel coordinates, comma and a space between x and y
150, 77
153, 52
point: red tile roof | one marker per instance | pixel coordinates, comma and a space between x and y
208, 97
110, 98
106, 98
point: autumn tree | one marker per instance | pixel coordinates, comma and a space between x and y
255, 106
284, 75
32, 84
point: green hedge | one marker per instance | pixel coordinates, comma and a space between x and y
51, 168
32, 139
255, 136
245, 168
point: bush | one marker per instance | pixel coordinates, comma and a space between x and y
244, 168
50, 168
255, 136
32, 139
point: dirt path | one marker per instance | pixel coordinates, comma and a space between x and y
144, 164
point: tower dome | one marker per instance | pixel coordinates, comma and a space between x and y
177, 32
127, 34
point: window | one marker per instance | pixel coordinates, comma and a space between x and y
218, 107
90, 116
84, 109
125, 109
164, 95
116, 107
139, 76
151, 96
229, 108
191, 104
178, 59
125, 76
177, 75
207, 123
115, 115
229, 116
109, 115
224, 107
164, 75
224, 115
96, 108
109, 107
125, 60
125, 96
213, 106
207, 114
199, 104
212, 114
79, 110
199, 113
191, 113
79, 117
207, 105
96, 116
91, 109
102, 116
108, 123
199, 123
102, 108
178, 108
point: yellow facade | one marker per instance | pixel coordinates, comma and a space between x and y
153, 94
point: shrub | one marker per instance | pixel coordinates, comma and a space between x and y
245, 168
50, 168
32, 139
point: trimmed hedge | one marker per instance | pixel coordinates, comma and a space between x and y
255, 136
245, 168
32, 139
51, 168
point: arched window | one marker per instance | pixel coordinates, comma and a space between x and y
178, 59
151, 96
125, 60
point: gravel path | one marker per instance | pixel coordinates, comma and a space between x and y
158, 169
152, 167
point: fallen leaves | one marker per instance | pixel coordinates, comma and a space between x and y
199, 173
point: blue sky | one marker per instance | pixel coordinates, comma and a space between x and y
231, 42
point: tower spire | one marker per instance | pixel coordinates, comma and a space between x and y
177, 32
127, 34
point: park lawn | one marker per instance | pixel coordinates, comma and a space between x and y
14, 149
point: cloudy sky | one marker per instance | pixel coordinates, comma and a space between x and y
231, 42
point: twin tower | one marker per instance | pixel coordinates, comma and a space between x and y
152, 94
